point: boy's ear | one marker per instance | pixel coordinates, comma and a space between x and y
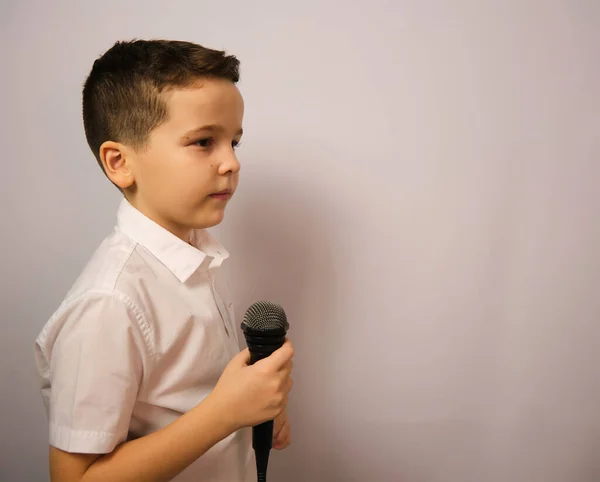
117, 165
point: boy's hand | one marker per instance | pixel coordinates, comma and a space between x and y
249, 395
282, 434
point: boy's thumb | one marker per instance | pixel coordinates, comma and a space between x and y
279, 357
242, 358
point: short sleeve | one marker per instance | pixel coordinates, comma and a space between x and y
96, 366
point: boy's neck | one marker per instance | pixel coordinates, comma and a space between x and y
183, 233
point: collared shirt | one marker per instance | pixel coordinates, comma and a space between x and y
141, 338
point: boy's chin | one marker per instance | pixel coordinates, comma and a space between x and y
209, 221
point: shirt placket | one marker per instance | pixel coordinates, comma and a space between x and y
220, 307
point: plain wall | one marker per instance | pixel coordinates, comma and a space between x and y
419, 190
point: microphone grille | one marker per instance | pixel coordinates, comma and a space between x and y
266, 315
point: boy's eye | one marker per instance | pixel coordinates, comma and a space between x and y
205, 142
236, 144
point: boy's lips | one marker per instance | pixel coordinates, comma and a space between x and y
225, 194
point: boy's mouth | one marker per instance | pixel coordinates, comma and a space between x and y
223, 195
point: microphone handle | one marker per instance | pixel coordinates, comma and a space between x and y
262, 441
262, 434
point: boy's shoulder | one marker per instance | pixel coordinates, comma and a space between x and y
111, 276
104, 268
110, 270
139, 276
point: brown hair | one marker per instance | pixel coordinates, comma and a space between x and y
121, 95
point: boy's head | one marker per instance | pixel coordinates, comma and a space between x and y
163, 119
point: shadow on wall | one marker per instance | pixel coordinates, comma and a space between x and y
282, 235
283, 252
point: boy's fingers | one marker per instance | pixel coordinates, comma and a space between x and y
278, 424
279, 358
284, 372
283, 437
242, 358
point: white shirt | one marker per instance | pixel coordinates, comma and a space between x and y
141, 338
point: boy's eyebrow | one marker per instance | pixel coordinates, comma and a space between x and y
209, 127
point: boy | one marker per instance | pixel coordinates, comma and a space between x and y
140, 371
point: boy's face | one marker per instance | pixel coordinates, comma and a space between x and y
188, 171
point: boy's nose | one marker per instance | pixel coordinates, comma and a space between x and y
229, 163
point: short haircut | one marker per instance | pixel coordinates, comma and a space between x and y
122, 98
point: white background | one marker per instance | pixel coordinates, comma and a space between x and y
420, 190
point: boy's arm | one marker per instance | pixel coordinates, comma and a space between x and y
159, 456
253, 394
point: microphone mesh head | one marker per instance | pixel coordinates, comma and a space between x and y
265, 315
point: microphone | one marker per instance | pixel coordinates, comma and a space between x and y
265, 326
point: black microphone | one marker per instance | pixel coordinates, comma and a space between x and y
265, 326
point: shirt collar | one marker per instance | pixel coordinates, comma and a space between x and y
181, 258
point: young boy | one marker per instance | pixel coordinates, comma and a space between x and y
140, 369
